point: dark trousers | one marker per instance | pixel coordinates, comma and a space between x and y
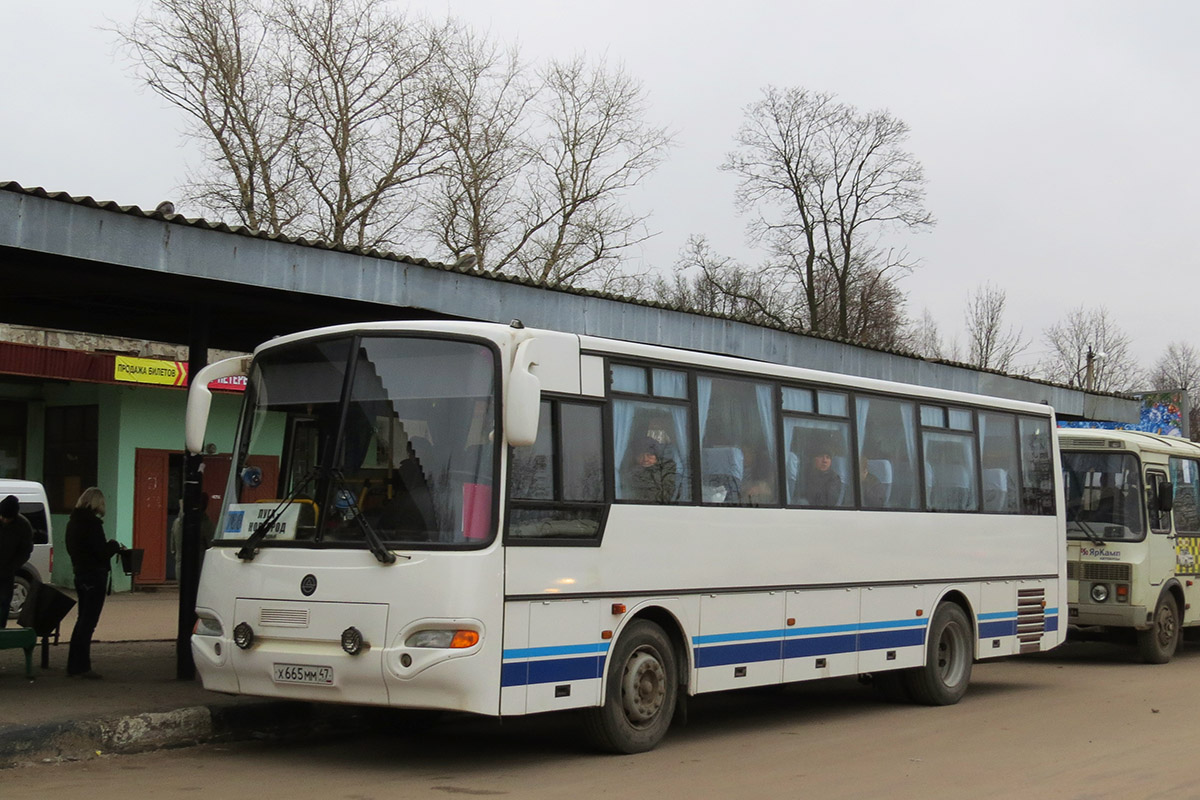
91, 590
6, 593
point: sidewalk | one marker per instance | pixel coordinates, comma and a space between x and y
139, 705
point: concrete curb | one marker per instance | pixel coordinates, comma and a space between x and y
137, 733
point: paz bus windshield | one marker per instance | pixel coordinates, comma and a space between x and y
346, 436
1104, 496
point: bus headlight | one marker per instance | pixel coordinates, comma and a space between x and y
1099, 592
207, 626
443, 638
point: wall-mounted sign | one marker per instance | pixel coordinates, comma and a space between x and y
150, 370
167, 373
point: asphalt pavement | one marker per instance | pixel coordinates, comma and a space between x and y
139, 704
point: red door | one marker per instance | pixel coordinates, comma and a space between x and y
150, 471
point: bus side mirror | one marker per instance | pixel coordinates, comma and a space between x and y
1166, 496
200, 398
523, 402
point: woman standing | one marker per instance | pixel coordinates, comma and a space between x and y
90, 553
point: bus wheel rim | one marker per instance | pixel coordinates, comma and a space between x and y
950, 654
643, 688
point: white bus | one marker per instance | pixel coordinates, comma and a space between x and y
1133, 530
500, 520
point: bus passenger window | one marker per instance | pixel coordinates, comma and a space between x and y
887, 442
737, 441
999, 460
557, 483
1186, 479
1037, 467
818, 463
650, 447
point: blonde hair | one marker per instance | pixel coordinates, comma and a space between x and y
92, 498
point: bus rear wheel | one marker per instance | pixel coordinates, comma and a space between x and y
640, 692
1157, 644
949, 655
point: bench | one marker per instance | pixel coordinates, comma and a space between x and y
20, 638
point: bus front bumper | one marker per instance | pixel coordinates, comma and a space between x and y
1111, 615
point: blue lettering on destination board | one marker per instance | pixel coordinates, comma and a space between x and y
233, 521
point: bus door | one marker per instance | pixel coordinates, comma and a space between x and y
1160, 541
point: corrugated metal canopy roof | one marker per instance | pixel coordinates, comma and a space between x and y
79, 264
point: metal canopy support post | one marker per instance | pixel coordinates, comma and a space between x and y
193, 508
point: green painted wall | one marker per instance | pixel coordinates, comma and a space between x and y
130, 418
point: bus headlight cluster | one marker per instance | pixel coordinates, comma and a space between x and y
1099, 592
443, 638
208, 626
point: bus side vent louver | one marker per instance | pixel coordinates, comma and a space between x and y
1031, 619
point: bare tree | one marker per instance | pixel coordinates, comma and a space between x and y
825, 182
709, 283
1090, 343
364, 115
1179, 368
214, 60
340, 120
483, 98
593, 145
991, 344
316, 114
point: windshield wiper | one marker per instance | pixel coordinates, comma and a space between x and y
250, 548
374, 541
1091, 535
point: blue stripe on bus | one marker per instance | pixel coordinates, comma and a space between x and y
715, 650
853, 627
560, 650
552, 671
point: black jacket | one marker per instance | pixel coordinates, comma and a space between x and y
89, 549
16, 544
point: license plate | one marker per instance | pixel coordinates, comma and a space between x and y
303, 673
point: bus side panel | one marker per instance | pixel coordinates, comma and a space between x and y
565, 655
822, 634
740, 641
891, 632
514, 671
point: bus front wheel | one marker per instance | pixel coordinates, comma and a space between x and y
949, 655
640, 692
1157, 644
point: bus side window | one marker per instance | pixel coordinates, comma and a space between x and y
1160, 520
1186, 478
557, 483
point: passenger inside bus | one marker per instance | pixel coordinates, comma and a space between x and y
651, 473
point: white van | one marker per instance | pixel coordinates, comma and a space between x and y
32, 497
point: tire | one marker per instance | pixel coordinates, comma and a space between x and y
21, 588
640, 692
949, 655
1158, 644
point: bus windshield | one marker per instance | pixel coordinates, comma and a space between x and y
391, 435
1104, 496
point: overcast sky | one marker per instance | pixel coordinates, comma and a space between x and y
1059, 139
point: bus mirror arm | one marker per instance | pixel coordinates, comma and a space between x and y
200, 398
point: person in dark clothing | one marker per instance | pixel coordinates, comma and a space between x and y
90, 553
16, 545
824, 483
652, 479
